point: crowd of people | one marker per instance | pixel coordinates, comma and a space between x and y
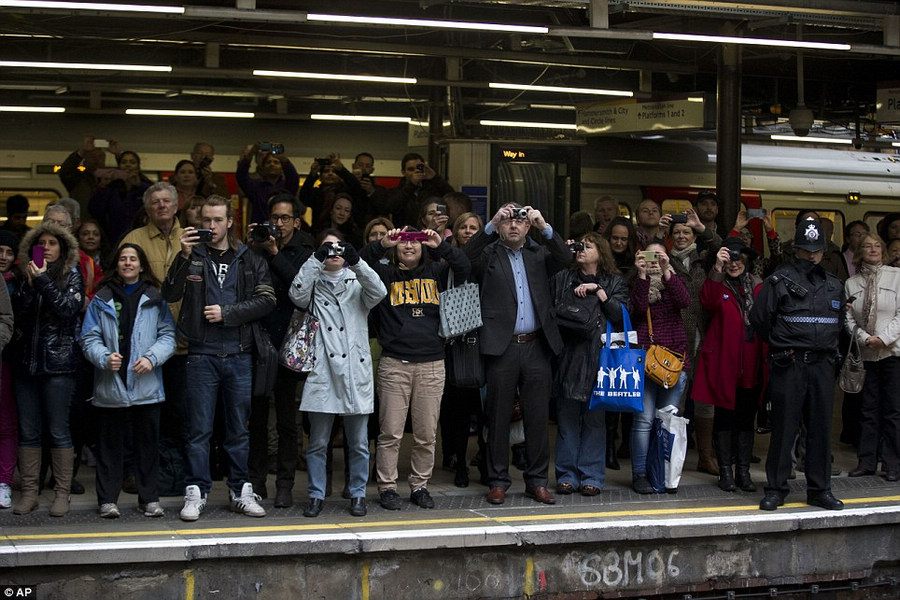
181, 313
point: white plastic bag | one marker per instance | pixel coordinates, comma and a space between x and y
668, 447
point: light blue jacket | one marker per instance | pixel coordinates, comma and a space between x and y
153, 337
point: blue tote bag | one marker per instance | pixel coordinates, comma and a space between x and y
620, 371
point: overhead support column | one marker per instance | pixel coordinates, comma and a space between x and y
435, 128
598, 11
728, 135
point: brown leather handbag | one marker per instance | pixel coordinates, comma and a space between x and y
662, 365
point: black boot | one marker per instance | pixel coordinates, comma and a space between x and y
744, 456
611, 461
726, 461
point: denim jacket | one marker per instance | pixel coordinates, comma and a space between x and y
152, 337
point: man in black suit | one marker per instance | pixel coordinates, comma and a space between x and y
518, 338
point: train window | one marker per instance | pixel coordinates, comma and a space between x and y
38, 201
783, 220
874, 218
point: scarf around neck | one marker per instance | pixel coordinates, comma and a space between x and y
684, 255
870, 275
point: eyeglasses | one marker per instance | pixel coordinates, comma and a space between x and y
282, 218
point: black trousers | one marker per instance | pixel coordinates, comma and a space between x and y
141, 423
799, 391
524, 368
880, 422
286, 387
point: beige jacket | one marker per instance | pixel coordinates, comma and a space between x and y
887, 316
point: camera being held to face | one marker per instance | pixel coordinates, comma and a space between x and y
520, 213
576, 246
260, 233
336, 249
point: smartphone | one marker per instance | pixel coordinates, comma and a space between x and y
411, 236
37, 255
442, 209
756, 213
649, 255
851, 299
204, 235
101, 143
678, 218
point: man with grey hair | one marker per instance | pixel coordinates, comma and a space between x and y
71, 205
160, 237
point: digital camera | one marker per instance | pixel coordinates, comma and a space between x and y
271, 147
261, 232
420, 167
336, 249
323, 162
576, 246
412, 236
204, 236
734, 255
679, 218
520, 213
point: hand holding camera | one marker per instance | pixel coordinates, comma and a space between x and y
192, 237
330, 250
261, 232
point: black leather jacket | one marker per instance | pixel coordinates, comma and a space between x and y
187, 279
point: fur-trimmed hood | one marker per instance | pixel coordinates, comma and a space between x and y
68, 245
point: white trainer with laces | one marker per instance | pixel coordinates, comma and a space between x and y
5, 495
247, 503
194, 503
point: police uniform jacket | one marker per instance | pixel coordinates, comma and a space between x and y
800, 306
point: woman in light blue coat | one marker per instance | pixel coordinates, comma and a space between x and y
128, 333
340, 290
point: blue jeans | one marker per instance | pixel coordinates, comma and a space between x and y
580, 444
655, 397
356, 434
207, 375
44, 401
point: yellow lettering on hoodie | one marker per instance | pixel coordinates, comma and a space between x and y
414, 291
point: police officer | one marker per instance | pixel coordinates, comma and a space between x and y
798, 312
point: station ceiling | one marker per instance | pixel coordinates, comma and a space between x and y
214, 47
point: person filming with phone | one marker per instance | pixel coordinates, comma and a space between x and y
224, 288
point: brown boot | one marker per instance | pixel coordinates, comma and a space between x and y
29, 470
703, 431
61, 459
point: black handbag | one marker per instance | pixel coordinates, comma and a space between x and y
265, 362
464, 365
578, 316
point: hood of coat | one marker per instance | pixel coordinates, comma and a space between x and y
68, 250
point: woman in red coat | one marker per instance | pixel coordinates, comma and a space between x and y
729, 369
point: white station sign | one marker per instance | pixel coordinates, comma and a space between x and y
888, 104
627, 117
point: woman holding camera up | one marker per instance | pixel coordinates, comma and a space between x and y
336, 198
276, 173
411, 371
729, 369
340, 290
659, 293
593, 283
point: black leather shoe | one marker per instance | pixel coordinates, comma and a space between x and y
313, 508
892, 474
860, 472
771, 501
283, 498
824, 500
358, 507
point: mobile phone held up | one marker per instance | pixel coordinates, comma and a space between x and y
756, 213
411, 236
649, 256
204, 235
37, 256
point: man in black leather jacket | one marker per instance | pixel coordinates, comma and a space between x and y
224, 288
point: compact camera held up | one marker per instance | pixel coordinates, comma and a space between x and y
576, 246
520, 213
336, 249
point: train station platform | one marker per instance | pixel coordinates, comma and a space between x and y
698, 543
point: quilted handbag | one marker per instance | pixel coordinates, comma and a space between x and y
663, 366
298, 352
460, 309
853, 373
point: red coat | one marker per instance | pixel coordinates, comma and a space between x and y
727, 360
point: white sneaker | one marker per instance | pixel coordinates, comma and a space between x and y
194, 503
109, 511
247, 503
5, 495
151, 509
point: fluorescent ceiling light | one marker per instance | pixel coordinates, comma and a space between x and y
724, 39
535, 125
360, 118
426, 23
87, 66
189, 113
552, 106
895, 144
333, 76
565, 90
172, 10
819, 140
34, 109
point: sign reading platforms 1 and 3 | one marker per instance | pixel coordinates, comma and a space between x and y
631, 116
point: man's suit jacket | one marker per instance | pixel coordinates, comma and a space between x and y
491, 268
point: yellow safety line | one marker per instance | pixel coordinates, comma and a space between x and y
499, 519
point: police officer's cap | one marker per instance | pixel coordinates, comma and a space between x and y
809, 236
